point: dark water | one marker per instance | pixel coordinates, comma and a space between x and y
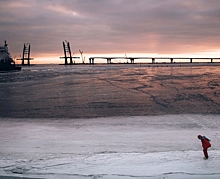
56, 91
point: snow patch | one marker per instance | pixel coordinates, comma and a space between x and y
156, 147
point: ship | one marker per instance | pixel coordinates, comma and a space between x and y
6, 62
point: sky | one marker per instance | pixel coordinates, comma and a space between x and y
147, 27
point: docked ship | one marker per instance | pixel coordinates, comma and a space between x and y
6, 62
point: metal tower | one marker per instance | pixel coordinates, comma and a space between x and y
26, 54
67, 53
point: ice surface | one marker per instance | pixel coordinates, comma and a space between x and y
156, 147
84, 91
59, 122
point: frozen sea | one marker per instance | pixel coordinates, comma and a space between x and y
132, 121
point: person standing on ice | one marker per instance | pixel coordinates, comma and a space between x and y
205, 145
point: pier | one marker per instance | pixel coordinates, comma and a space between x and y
109, 59
131, 60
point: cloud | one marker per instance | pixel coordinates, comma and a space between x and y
116, 26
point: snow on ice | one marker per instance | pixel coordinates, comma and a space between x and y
155, 147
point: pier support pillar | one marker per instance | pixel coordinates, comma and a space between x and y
153, 60
211, 60
191, 60
171, 60
109, 60
91, 60
132, 60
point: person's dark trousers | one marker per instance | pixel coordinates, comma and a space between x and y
205, 152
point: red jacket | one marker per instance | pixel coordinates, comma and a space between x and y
205, 142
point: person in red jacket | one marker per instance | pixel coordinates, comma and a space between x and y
205, 145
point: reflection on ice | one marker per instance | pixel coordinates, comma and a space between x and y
123, 147
111, 90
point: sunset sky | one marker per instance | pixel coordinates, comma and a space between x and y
132, 27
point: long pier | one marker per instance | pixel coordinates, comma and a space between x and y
153, 59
